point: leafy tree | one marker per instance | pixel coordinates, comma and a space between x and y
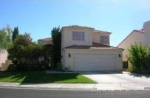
56, 36
15, 33
27, 53
19, 43
5, 37
24, 40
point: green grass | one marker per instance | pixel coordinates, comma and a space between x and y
42, 77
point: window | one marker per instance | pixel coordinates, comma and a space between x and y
104, 39
76, 35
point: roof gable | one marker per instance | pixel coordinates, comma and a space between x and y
134, 31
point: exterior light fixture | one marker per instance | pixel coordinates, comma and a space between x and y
119, 55
69, 55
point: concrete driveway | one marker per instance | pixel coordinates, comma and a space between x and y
122, 79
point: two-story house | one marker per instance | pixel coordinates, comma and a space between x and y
87, 49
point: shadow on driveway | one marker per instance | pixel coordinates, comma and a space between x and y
139, 75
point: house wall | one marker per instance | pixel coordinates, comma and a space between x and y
96, 36
63, 58
68, 62
67, 37
146, 28
3, 56
131, 39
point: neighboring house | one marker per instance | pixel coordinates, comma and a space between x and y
3, 58
87, 49
136, 36
45, 41
48, 47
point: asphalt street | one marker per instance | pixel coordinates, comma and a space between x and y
41, 93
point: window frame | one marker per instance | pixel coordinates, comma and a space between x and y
104, 40
78, 35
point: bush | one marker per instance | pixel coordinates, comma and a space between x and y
12, 67
148, 58
132, 69
30, 67
43, 65
21, 67
139, 57
59, 67
15, 62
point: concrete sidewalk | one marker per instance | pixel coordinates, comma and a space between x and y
51, 86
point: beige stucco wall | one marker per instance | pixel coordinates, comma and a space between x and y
67, 37
96, 36
63, 57
3, 56
146, 28
4, 66
69, 62
131, 39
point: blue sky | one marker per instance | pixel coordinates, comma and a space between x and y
38, 17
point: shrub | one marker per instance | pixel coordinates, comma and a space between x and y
12, 67
148, 58
139, 57
59, 67
15, 62
21, 67
131, 69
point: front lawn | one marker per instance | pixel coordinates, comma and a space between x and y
42, 77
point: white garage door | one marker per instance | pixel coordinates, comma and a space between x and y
88, 62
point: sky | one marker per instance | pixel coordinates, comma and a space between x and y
38, 17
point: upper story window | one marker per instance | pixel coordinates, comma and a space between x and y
77, 35
104, 39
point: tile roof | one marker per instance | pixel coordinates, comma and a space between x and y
77, 26
94, 46
140, 31
46, 39
97, 31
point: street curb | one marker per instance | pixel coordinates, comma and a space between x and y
70, 89
73, 87
48, 88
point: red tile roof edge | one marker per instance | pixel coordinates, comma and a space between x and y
96, 45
